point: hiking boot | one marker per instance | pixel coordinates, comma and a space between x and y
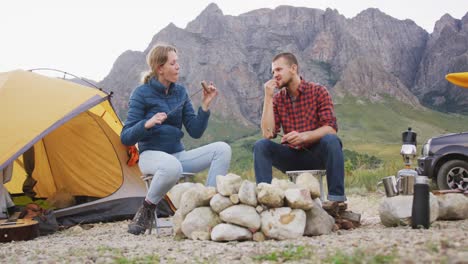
334, 208
143, 219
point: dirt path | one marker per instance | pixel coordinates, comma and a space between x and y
444, 242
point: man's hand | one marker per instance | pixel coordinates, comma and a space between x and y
294, 138
268, 120
270, 87
158, 118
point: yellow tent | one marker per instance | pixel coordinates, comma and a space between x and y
75, 135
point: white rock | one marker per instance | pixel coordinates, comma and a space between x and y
283, 223
453, 206
177, 220
259, 209
284, 184
396, 210
229, 232
219, 203
298, 199
234, 198
229, 184
201, 219
308, 181
269, 195
258, 237
200, 235
195, 197
248, 193
175, 194
243, 215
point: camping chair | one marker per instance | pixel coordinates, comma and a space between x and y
147, 178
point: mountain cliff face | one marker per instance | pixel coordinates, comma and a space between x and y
369, 56
446, 51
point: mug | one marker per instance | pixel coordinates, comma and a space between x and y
390, 185
406, 184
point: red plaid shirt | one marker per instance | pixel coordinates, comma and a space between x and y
312, 108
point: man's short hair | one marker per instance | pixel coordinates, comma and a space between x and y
289, 57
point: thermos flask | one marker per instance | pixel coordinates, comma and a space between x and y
420, 213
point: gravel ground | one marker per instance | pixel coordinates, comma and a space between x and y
444, 242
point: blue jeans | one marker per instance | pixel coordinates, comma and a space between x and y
326, 154
167, 168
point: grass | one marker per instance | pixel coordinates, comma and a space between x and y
359, 256
139, 260
362, 121
290, 253
297, 253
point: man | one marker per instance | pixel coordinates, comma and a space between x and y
305, 112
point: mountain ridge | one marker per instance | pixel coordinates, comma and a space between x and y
368, 56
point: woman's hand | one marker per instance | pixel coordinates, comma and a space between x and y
158, 118
209, 93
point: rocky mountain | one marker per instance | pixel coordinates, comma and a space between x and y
446, 51
369, 56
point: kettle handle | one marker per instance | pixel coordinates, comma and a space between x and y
377, 188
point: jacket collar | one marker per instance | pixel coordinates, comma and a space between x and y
159, 87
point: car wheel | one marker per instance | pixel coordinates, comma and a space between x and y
453, 175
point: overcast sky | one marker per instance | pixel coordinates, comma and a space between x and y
85, 37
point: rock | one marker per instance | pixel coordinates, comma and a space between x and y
200, 235
210, 191
218, 203
319, 222
318, 201
177, 220
248, 193
229, 184
396, 210
234, 198
259, 209
269, 195
201, 219
258, 237
243, 215
229, 232
298, 199
308, 181
195, 197
283, 184
453, 206
283, 223
175, 194
76, 229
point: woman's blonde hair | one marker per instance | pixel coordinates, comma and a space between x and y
156, 57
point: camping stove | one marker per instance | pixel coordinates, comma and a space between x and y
406, 176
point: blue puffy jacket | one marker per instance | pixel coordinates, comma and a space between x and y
149, 99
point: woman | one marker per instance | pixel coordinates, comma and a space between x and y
157, 110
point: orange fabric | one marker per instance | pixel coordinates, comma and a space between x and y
171, 205
133, 156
